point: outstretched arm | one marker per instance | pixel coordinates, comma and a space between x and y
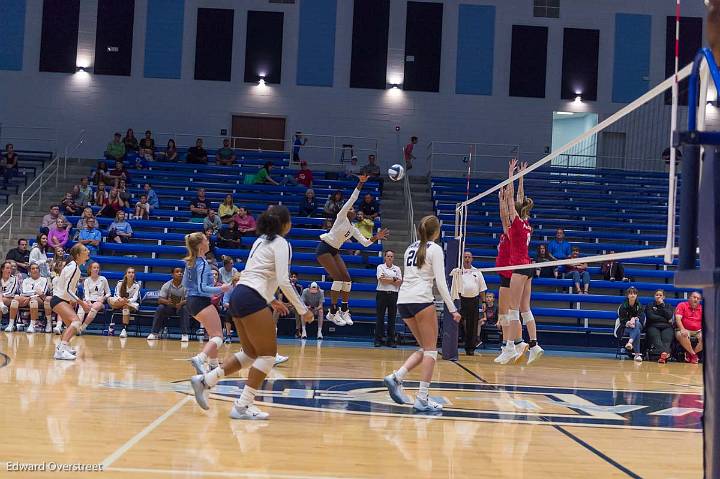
521, 187
510, 193
503, 210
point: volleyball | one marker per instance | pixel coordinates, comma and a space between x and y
396, 172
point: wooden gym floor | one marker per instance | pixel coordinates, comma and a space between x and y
125, 405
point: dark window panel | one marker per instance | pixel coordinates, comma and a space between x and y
368, 63
423, 46
580, 64
263, 48
691, 37
528, 61
114, 37
213, 44
59, 37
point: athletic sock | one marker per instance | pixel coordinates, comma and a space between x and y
333, 309
518, 341
202, 356
213, 362
423, 392
212, 378
246, 398
343, 306
509, 343
401, 373
533, 343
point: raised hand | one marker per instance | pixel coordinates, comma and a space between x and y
382, 233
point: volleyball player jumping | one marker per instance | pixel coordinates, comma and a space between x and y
267, 269
327, 255
65, 298
503, 259
424, 263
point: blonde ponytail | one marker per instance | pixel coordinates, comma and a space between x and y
427, 228
192, 241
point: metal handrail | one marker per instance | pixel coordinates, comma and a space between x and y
77, 142
8, 222
407, 196
47, 174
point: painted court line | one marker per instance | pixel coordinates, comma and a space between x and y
181, 472
139, 436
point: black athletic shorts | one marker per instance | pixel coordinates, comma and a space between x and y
245, 301
504, 282
54, 301
409, 310
529, 272
195, 304
323, 248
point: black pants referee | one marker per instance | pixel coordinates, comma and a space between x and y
470, 311
385, 301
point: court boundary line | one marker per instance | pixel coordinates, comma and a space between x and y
6, 360
275, 475
570, 435
119, 452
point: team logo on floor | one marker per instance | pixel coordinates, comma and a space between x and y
488, 402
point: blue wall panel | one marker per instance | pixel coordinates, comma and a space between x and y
476, 41
316, 43
12, 34
164, 38
632, 57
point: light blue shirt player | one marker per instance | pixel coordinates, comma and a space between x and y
198, 280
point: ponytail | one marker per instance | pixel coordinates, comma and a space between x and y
524, 207
427, 228
192, 241
272, 222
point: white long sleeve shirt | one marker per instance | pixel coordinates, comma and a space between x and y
34, 287
342, 229
96, 290
65, 286
39, 258
133, 293
9, 287
418, 284
268, 267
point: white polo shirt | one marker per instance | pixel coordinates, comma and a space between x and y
473, 283
391, 272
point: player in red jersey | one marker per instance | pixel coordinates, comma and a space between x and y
503, 259
519, 233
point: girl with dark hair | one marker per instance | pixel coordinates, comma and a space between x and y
251, 301
38, 255
200, 286
96, 290
328, 256
424, 264
333, 205
131, 143
126, 298
543, 255
65, 299
262, 177
631, 320
171, 153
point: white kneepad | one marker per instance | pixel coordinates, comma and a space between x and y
527, 317
347, 286
430, 354
14, 304
33, 303
336, 286
244, 360
217, 340
513, 315
76, 325
264, 363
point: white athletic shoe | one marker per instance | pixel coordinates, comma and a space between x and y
249, 412
184, 338
48, 326
395, 388
345, 315
200, 366
508, 354
319, 336
152, 337
303, 335
335, 318
63, 354
10, 327
123, 333
638, 358
536, 353
58, 328
201, 391
30, 329
520, 350
426, 405
279, 359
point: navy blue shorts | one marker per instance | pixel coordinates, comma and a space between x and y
54, 301
529, 272
195, 304
323, 248
409, 310
245, 301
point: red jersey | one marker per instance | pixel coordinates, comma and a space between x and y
519, 233
503, 256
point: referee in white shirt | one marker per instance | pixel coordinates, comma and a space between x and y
389, 279
473, 289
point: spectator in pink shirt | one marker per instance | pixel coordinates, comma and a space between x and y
59, 234
245, 222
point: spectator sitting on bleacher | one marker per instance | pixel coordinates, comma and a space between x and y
333, 204
370, 207
352, 169
147, 146
69, 206
152, 197
364, 224
38, 255
59, 234
212, 221
543, 256
372, 171
245, 222
613, 270
101, 174
85, 192
50, 219
120, 230
305, 175
21, 255
31, 294
199, 207
118, 173
230, 237
314, 298
579, 274
115, 149
126, 298
130, 142
688, 324
197, 154
101, 195
170, 153
631, 320
142, 208
228, 271
491, 309
11, 162
82, 222
171, 300
210, 257
112, 205
262, 177
559, 248
658, 324
225, 155
308, 205
90, 236
227, 210
121, 186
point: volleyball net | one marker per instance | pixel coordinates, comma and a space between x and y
586, 186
